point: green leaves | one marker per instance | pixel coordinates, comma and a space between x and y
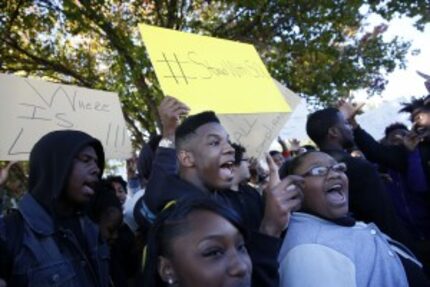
317, 48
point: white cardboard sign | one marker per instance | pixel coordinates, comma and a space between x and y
31, 108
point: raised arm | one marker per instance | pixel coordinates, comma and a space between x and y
165, 163
394, 157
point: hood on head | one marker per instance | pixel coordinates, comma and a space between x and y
51, 161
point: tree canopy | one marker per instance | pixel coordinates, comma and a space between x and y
317, 48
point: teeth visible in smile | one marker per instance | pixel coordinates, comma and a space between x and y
336, 187
228, 165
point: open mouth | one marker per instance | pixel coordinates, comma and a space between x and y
89, 188
226, 169
336, 194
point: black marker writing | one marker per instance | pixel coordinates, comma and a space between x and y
171, 64
11, 150
34, 112
64, 123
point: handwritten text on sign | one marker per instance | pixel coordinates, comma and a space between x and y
31, 108
211, 74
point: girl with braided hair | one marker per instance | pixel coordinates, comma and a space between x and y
197, 242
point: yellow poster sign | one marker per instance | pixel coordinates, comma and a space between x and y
211, 74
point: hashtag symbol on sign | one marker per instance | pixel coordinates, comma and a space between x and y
175, 65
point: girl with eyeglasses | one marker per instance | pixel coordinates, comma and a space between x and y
325, 246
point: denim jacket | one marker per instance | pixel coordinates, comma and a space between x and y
49, 257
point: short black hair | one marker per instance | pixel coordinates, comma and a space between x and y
395, 126
104, 200
239, 150
320, 122
191, 124
117, 178
172, 222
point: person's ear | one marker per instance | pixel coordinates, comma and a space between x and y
186, 158
166, 271
333, 132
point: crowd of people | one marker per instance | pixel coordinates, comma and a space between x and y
350, 211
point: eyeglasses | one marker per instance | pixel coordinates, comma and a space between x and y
324, 170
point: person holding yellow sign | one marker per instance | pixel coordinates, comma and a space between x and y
205, 159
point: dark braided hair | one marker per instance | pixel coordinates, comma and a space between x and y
171, 223
416, 105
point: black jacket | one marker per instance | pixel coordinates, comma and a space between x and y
124, 263
392, 157
368, 200
73, 242
248, 203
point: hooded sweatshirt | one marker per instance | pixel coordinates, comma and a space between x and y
54, 249
51, 161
